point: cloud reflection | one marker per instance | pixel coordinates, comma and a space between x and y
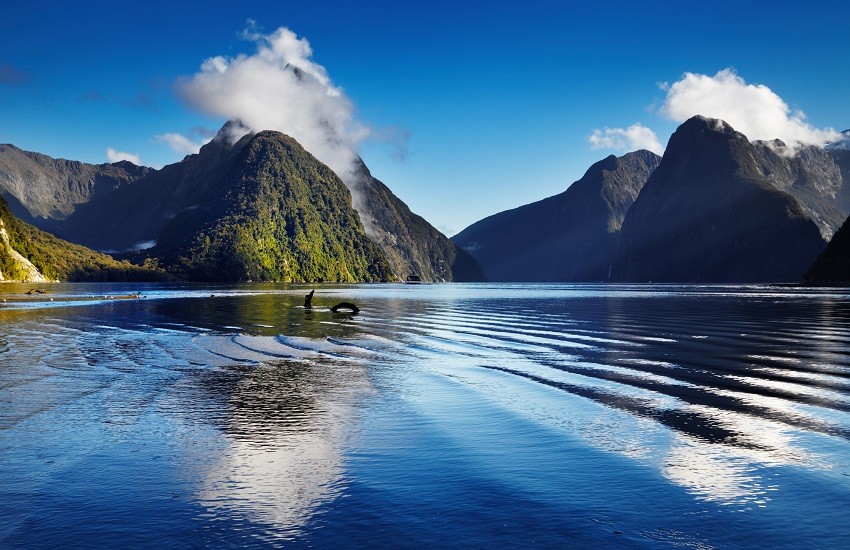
286, 424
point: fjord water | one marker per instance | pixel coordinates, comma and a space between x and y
442, 415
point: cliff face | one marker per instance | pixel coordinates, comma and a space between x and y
572, 236
708, 214
812, 175
42, 188
411, 244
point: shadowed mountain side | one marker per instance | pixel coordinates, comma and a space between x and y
572, 236
42, 190
412, 245
28, 254
707, 214
139, 211
270, 212
813, 176
833, 265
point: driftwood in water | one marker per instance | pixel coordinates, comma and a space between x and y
345, 305
308, 300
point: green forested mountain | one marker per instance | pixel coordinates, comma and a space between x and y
28, 254
272, 212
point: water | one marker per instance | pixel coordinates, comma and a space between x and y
442, 415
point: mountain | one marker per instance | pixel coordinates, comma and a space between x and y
412, 245
267, 211
840, 153
833, 265
162, 211
841, 144
813, 176
133, 217
28, 254
44, 190
572, 236
709, 214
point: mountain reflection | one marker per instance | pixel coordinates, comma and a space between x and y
286, 425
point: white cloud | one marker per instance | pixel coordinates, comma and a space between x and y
281, 88
632, 138
180, 143
752, 109
115, 156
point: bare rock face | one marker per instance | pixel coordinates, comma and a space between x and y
812, 175
39, 187
412, 246
833, 266
572, 236
709, 214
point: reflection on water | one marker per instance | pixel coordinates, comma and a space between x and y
248, 419
285, 423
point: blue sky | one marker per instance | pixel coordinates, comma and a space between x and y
497, 100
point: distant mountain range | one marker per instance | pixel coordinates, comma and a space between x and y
259, 209
573, 236
716, 208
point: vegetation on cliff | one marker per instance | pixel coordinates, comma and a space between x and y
29, 254
273, 213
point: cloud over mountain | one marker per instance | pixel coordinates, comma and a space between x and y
180, 143
280, 87
632, 138
115, 156
753, 109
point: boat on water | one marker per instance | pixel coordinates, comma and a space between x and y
414, 280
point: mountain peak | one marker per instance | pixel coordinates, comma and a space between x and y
709, 214
231, 132
841, 144
702, 123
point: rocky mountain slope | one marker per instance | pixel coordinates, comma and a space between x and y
412, 245
709, 214
572, 236
44, 190
813, 176
833, 265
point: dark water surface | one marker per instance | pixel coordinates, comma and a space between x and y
442, 415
